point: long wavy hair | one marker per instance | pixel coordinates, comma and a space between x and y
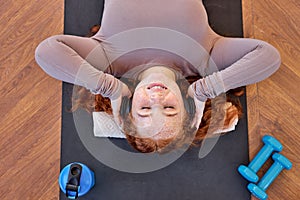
218, 115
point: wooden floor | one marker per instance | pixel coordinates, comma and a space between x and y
30, 101
274, 104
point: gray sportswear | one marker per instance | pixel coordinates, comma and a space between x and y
138, 34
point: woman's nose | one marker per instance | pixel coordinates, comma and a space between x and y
157, 96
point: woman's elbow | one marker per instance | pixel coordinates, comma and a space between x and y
41, 52
273, 57
44, 55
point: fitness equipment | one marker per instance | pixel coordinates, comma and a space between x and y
76, 179
271, 145
280, 163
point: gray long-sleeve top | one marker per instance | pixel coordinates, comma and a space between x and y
137, 34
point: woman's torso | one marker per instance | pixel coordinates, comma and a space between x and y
173, 33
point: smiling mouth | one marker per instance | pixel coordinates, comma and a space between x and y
157, 86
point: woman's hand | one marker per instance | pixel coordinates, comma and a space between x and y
117, 100
200, 105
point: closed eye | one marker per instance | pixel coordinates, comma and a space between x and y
144, 111
170, 111
140, 115
165, 107
171, 115
145, 108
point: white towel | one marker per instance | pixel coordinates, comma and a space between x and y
105, 126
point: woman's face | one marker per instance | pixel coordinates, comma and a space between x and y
157, 107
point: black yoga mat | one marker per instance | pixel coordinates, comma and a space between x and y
213, 177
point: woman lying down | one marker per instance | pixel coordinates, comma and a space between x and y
135, 67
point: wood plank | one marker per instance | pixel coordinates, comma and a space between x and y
280, 27
277, 107
22, 31
247, 18
30, 102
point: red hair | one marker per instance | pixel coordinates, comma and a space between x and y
217, 115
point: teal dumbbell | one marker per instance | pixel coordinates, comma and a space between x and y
280, 163
271, 145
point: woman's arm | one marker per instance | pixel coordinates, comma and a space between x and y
236, 62
77, 60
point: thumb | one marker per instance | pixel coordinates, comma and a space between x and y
191, 91
199, 112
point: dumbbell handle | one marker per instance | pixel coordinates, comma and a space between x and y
270, 175
261, 157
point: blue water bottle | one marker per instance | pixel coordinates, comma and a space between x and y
76, 179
